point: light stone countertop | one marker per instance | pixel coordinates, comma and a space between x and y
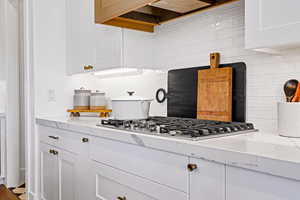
259, 151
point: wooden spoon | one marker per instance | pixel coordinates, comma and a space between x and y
290, 88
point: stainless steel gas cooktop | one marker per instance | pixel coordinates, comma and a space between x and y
180, 128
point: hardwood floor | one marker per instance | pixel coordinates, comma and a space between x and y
6, 194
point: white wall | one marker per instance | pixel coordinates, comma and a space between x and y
182, 43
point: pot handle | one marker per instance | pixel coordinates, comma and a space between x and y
164, 95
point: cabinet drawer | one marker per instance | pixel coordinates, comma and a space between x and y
69, 141
162, 167
118, 185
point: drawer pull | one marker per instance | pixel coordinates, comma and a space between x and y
55, 152
53, 137
192, 167
85, 140
88, 67
51, 151
121, 198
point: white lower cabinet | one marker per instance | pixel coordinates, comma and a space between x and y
114, 184
59, 174
250, 185
79, 167
207, 180
159, 166
49, 173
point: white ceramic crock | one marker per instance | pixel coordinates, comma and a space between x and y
131, 107
289, 119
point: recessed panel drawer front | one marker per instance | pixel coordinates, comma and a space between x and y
113, 184
66, 140
162, 167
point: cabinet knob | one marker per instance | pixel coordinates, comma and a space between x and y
53, 137
121, 198
88, 67
55, 152
192, 167
85, 140
51, 151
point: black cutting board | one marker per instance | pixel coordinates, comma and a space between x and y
182, 91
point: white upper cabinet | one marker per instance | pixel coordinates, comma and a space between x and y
108, 47
138, 49
272, 23
95, 47
81, 48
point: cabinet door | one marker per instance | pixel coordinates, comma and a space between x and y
108, 47
49, 174
68, 176
249, 185
80, 36
138, 49
272, 23
207, 180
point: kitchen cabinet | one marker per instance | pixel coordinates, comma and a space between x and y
109, 47
207, 180
105, 169
248, 185
80, 36
95, 47
112, 183
64, 164
272, 23
59, 175
161, 166
49, 174
138, 49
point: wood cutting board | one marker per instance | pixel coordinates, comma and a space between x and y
214, 100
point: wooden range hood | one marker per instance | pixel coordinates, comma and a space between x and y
143, 15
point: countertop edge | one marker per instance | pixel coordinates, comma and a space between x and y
260, 163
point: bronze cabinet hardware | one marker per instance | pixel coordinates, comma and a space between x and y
192, 167
55, 152
121, 198
88, 67
53, 137
85, 140
51, 151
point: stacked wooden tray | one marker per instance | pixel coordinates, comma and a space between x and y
102, 112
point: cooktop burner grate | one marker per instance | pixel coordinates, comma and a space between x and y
181, 128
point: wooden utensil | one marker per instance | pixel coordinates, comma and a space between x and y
296, 97
290, 88
214, 100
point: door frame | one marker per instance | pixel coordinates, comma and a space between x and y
31, 139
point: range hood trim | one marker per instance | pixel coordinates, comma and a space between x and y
129, 18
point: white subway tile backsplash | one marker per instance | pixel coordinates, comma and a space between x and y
187, 42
